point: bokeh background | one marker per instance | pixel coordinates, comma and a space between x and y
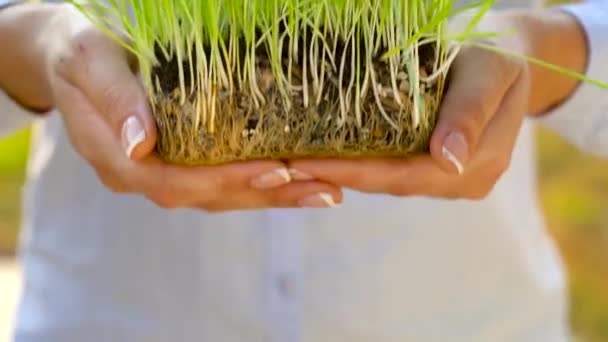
574, 196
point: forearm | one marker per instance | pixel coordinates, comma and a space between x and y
557, 38
22, 66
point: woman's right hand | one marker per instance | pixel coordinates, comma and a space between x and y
91, 81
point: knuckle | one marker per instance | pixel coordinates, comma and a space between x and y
71, 58
63, 63
84, 42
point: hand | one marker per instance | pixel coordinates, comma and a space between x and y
471, 147
109, 122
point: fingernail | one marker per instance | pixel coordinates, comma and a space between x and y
133, 134
272, 179
456, 150
320, 200
300, 176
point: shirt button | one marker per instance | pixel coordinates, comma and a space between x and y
285, 286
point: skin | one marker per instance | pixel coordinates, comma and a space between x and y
59, 60
92, 82
489, 97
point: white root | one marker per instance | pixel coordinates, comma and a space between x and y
445, 66
379, 102
258, 97
212, 110
322, 78
340, 91
352, 73
305, 79
313, 53
414, 72
393, 63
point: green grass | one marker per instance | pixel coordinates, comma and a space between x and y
220, 41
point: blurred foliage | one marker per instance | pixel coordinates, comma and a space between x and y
573, 192
13, 156
574, 195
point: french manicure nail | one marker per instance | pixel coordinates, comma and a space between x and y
320, 200
133, 134
272, 179
456, 150
300, 176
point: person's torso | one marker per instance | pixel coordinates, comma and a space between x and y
106, 267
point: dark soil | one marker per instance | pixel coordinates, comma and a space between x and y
244, 132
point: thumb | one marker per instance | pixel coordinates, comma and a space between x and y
479, 80
101, 69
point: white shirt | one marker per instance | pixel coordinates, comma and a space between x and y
106, 267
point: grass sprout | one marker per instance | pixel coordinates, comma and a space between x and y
356, 51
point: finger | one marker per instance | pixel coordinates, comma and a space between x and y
494, 151
100, 68
314, 195
175, 186
390, 176
169, 186
422, 175
90, 135
498, 140
479, 80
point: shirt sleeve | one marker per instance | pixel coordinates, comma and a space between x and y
583, 118
13, 116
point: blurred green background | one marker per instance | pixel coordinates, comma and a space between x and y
574, 194
13, 156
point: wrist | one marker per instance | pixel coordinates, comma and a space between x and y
556, 38
22, 64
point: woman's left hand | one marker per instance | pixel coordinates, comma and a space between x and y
472, 144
